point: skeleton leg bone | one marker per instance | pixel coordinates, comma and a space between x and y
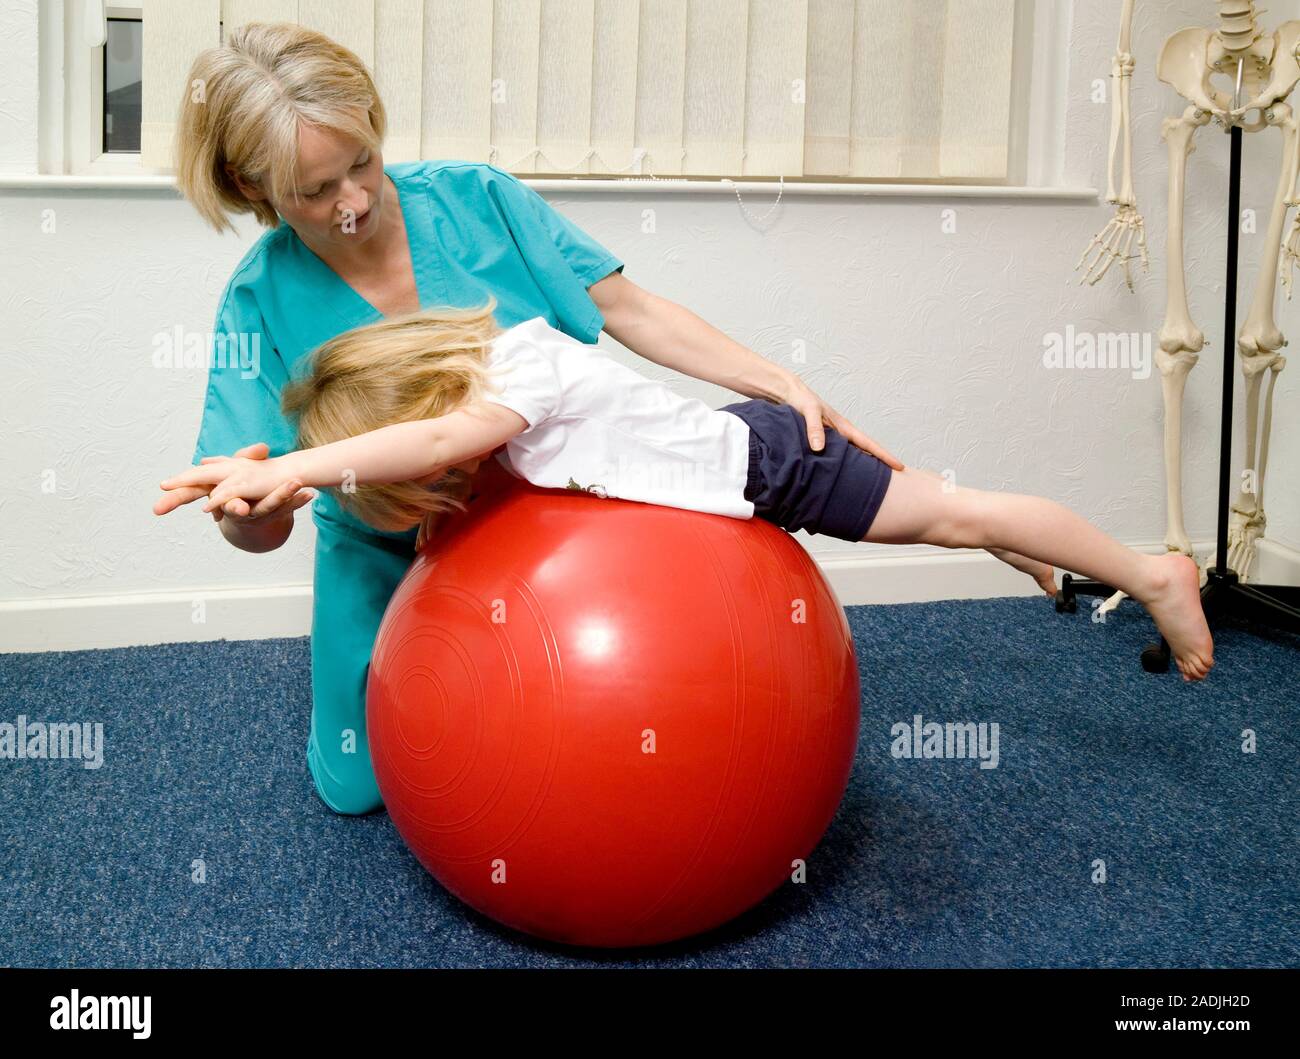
1180, 339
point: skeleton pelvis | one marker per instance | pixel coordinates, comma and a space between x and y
1191, 57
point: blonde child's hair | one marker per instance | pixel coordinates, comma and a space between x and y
243, 102
412, 366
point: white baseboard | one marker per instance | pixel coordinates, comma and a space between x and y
133, 619
138, 619
922, 578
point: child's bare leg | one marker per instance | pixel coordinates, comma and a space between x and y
1040, 572
918, 510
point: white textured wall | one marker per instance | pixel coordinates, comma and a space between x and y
18, 87
929, 341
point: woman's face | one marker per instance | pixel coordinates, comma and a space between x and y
340, 185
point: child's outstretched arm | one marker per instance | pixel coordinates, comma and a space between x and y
417, 451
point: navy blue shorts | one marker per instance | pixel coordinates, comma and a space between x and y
835, 492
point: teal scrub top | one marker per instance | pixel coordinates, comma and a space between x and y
473, 230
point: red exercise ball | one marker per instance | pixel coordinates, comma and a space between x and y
609, 723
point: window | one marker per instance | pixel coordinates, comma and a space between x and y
102, 65
849, 91
121, 86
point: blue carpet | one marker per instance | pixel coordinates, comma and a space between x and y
929, 862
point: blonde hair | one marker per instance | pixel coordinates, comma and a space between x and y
417, 365
243, 103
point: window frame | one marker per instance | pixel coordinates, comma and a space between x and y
84, 98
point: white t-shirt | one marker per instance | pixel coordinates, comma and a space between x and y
599, 426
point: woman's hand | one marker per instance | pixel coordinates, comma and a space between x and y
459, 489
817, 412
428, 527
284, 496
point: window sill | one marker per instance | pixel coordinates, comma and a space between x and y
625, 185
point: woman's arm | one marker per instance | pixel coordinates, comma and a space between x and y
672, 336
418, 451
242, 403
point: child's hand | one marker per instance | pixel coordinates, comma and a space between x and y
228, 478
279, 505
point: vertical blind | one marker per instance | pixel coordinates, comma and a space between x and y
869, 89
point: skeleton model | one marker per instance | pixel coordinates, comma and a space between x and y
1266, 67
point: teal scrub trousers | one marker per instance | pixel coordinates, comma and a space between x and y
474, 230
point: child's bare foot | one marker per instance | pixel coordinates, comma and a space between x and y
1046, 579
1173, 599
1040, 572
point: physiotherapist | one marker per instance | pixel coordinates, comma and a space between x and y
284, 123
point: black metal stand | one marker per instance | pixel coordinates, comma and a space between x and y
1222, 595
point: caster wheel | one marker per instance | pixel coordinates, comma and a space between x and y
1155, 659
1066, 604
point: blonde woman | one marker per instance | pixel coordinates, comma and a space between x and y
289, 128
392, 407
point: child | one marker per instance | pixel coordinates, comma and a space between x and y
397, 415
